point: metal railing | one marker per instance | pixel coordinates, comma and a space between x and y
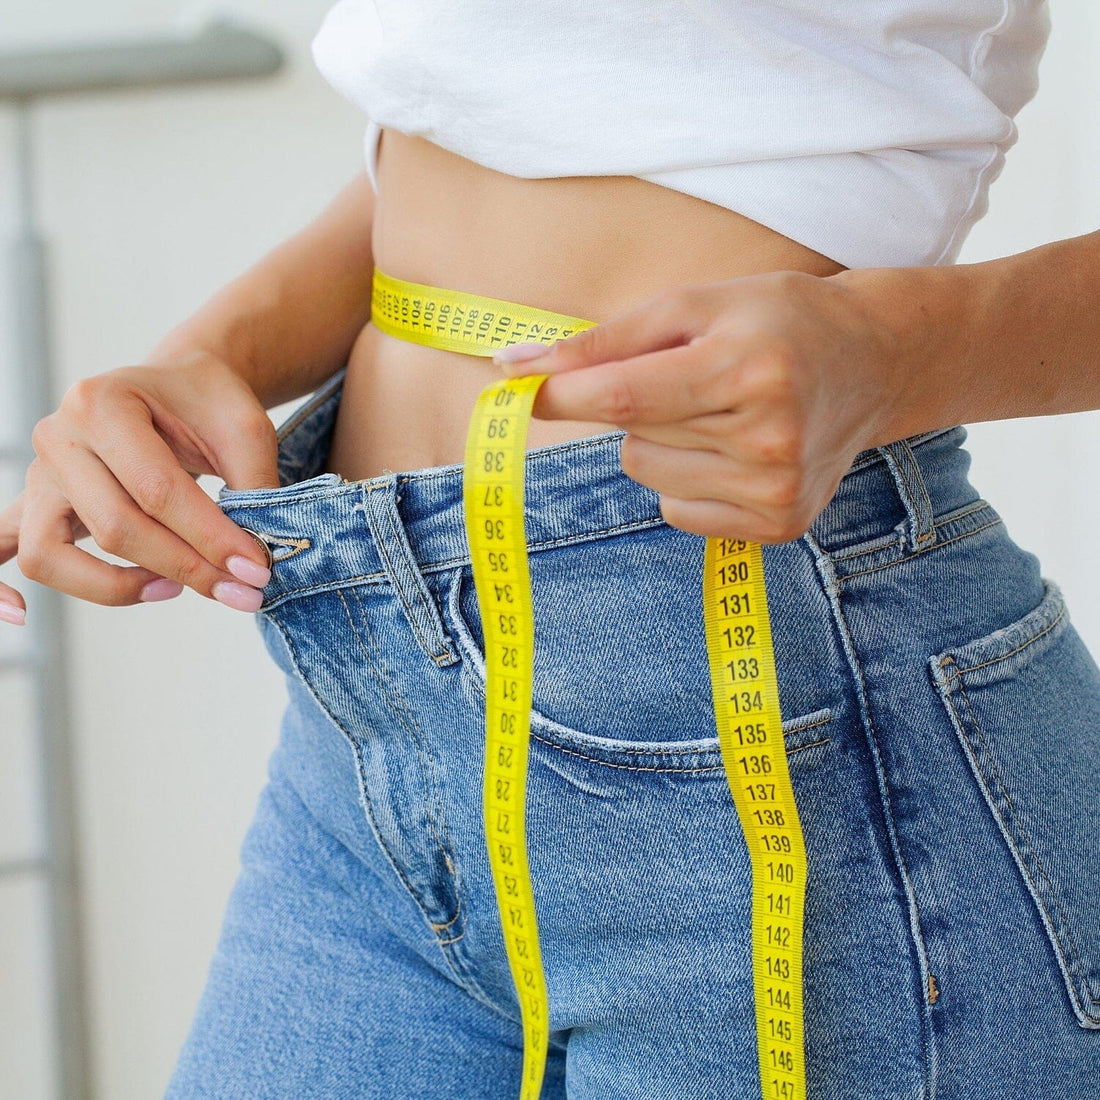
219, 51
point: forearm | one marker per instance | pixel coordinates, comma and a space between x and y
289, 321
1013, 337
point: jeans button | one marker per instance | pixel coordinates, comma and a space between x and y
263, 543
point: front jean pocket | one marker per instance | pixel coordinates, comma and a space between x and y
1025, 703
621, 672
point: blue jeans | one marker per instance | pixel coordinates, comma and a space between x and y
942, 721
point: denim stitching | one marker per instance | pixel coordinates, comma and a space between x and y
468, 650
959, 670
889, 540
1069, 946
429, 608
367, 803
603, 440
391, 574
464, 640
918, 502
689, 752
465, 979
381, 577
273, 501
458, 968
903, 487
831, 584
297, 545
427, 765
657, 771
916, 554
564, 540
417, 733
557, 448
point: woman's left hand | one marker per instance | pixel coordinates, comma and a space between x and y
744, 401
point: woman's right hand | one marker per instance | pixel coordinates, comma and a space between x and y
118, 461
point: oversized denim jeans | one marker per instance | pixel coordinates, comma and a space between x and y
942, 723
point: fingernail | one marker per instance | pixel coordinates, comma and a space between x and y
10, 613
238, 596
518, 353
161, 589
245, 569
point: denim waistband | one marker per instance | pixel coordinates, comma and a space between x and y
573, 491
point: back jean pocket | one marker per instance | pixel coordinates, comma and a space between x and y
1025, 703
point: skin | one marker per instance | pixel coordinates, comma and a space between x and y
745, 401
747, 372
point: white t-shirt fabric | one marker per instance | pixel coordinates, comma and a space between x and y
869, 131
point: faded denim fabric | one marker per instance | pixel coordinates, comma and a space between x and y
942, 721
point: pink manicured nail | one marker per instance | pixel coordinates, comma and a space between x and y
161, 589
10, 613
238, 596
518, 353
245, 569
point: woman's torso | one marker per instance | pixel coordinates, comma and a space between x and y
585, 246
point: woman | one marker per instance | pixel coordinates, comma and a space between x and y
788, 359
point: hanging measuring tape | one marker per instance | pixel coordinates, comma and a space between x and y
742, 668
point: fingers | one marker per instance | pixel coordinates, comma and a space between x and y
239, 444
47, 553
12, 605
711, 493
121, 528
666, 320
721, 519
659, 387
163, 491
139, 503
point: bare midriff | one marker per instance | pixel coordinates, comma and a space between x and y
586, 246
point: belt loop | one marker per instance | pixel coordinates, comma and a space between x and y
388, 531
907, 476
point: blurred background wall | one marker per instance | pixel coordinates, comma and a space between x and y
150, 201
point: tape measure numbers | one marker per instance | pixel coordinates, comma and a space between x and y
743, 681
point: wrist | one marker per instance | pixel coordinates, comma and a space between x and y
926, 322
220, 330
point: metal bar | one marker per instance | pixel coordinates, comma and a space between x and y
219, 51
14, 867
18, 661
46, 634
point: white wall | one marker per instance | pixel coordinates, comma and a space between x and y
152, 200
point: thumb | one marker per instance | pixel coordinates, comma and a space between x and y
664, 321
249, 458
10, 519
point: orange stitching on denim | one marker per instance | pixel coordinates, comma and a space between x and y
1004, 656
647, 751
886, 541
1069, 945
410, 613
916, 554
408, 720
558, 747
367, 802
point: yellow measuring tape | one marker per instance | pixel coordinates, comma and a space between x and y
742, 668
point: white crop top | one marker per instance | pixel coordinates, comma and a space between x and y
868, 130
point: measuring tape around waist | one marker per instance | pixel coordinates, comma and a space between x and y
742, 669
